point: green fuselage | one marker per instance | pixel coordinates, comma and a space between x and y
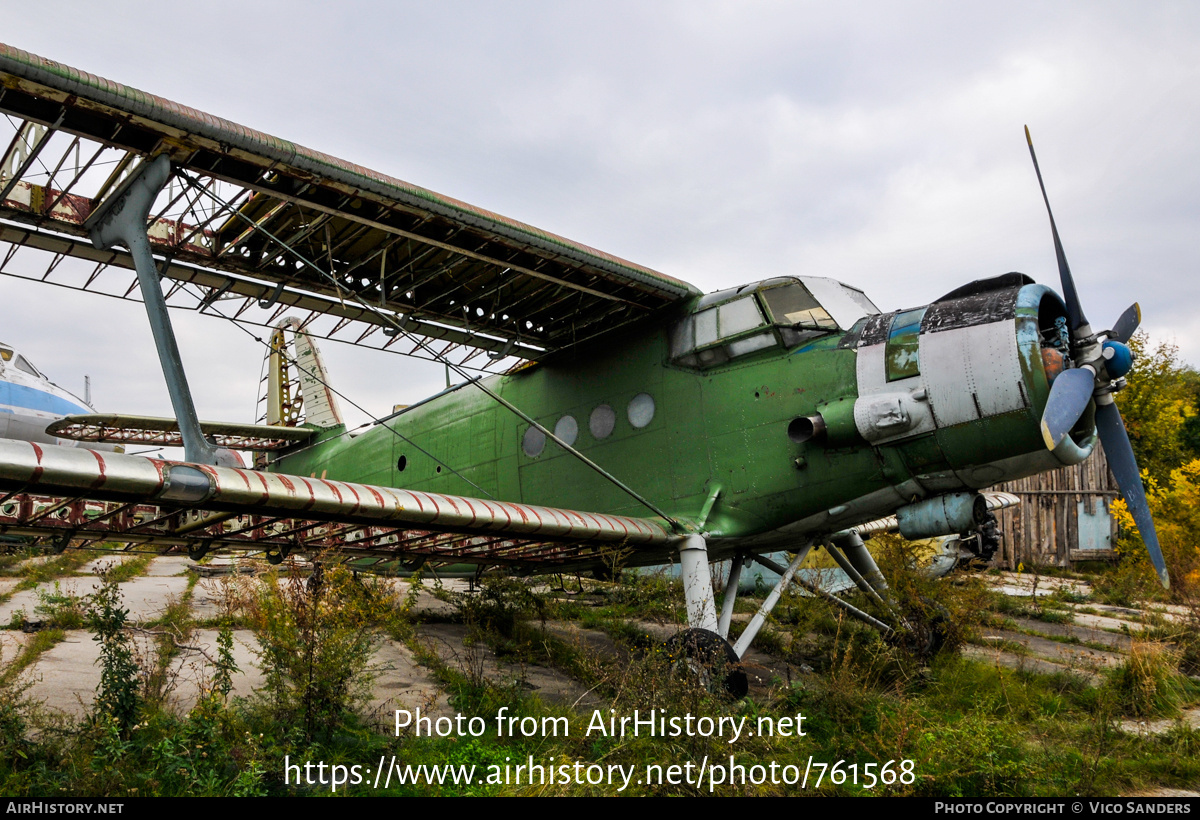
719, 432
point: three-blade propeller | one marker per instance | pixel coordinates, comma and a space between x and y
1099, 364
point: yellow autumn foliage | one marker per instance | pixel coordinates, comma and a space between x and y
1159, 407
1176, 511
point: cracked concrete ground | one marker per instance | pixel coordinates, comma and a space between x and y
65, 676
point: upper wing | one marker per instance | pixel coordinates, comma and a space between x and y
443, 268
85, 497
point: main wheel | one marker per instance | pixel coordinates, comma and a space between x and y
931, 629
708, 658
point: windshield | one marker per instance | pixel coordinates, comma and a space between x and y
776, 312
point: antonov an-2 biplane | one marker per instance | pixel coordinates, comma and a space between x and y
626, 413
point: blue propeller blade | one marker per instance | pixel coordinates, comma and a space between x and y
1124, 467
1075, 315
1069, 397
1127, 324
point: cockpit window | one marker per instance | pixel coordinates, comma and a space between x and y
714, 334
793, 306
786, 310
26, 366
6, 354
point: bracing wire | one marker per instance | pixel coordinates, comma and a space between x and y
399, 327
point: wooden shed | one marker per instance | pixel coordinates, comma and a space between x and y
1063, 516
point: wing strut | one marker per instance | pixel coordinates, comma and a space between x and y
121, 218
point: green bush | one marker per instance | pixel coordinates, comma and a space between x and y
315, 643
117, 699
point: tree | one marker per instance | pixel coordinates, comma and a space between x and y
1159, 407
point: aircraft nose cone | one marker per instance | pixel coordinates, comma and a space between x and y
1118, 359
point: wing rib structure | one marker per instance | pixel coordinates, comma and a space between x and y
243, 205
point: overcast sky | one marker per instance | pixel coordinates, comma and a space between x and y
877, 143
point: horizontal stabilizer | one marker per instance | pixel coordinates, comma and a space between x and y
120, 429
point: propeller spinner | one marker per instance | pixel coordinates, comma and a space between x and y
1099, 368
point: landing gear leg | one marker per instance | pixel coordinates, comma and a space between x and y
701, 649
923, 628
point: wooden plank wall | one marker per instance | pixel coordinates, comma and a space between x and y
1043, 529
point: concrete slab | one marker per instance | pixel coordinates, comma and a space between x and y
106, 560
402, 683
1154, 613
1084, 633
28, 600
427, 603
1164, 792
1065, 654
35, 561
1024, 663
1104, 622
1190, 718
216, 597
192, 669
1013, 591
1027, 580
7, 585
11, 644
225, 565
66, 675
592, 641
165, 566
1129, 613
146, 598
1022, 584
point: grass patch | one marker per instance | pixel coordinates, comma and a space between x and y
121, 571
68, 563
1149, 683
954, 727
38, 643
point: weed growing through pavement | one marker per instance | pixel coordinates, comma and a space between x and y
118, 700
316, 636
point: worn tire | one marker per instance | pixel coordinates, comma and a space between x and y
931, 629
710, 659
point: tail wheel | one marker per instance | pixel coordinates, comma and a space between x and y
710, 660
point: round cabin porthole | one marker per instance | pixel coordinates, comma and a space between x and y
534, 442
640, 410
401, 463
602, 422
567, 429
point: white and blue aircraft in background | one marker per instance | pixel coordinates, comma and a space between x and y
29, 401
